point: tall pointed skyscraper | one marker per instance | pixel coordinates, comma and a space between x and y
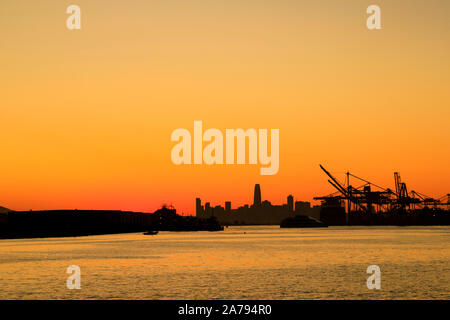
257, 196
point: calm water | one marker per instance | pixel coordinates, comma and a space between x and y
240, 263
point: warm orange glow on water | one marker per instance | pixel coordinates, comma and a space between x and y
86, 116
239, 263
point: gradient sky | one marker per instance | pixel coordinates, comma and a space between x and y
86, 115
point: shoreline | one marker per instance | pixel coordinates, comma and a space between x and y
333, 227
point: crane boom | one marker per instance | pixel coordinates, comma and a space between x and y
342, 189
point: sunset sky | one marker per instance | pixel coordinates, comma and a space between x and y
86, 115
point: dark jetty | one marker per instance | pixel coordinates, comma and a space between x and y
302, 222
75, 223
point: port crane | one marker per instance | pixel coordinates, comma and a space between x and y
370, 198
361, 198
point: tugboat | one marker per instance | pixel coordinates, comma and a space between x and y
151, 232
302, 222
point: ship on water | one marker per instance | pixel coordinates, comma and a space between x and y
370, 204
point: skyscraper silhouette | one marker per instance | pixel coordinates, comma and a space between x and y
290, 203
198, 207
257, 196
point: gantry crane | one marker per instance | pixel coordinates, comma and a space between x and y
363, 198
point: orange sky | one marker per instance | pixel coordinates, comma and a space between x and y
86, 115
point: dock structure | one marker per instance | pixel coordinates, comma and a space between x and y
368, 198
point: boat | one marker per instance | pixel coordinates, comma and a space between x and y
151, 232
